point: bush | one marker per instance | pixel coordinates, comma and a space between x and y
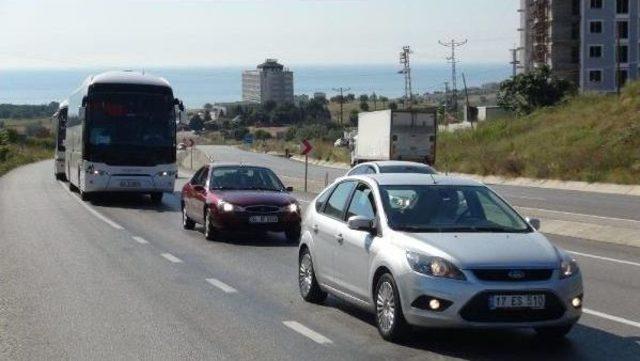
526, 92
261, 134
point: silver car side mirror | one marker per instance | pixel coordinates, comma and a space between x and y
360, 223
534, 222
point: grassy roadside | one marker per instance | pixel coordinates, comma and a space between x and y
322, 149
591, 138
17, 149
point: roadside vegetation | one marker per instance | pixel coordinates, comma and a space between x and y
592, 138
17, 148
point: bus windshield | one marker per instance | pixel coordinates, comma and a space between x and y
131, 119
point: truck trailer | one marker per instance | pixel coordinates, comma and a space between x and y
395, 135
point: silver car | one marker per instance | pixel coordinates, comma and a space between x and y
391, 166
435, 251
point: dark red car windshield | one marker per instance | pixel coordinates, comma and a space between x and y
244, 178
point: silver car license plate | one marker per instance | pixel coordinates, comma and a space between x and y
129, 184
263, 219
535, 302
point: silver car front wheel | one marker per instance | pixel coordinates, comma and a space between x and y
389, 318
309, 288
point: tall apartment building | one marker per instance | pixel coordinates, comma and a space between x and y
270, 81
581, 40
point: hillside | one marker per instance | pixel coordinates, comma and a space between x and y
593, 138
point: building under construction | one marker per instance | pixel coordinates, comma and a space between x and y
550, 34
589, 42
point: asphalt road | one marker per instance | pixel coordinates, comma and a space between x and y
119, 279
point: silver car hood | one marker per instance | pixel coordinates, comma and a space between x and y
482, 250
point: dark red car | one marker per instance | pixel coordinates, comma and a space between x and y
239, 198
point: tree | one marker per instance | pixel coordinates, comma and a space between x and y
526, 92
364, 106
269, 106
196, 123
353, 117
207, 116
374, 99
393, 106
350, 97
208, 106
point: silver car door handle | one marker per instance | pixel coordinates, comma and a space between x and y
339, 238
315, 228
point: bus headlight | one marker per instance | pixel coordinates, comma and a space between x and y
97, 172
166, 173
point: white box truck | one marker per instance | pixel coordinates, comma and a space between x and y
395, 135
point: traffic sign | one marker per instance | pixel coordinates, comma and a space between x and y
305, 147
191, 142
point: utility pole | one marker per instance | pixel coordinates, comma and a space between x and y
452, 59
341, 90
466, 95
406, 70
514, 62
446, 95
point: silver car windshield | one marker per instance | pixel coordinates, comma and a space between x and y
447, 208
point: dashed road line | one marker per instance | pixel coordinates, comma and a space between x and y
221, 285
140, 240
91, 210
611, 317
524, 209
605, 258
307, 332
171, 258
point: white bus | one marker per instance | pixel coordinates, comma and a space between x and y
59, 120
121, 135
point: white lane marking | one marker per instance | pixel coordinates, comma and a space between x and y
91, 210
605, 258
140, 240
305, 331
527, 197
611, 317
524, 209
171, 258
221, 285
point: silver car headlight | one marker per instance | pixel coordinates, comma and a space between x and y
568, 267
433, 266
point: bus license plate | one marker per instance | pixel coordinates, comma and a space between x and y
263, 219
535, 302
130, 184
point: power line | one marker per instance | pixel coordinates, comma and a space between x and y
405, 61
341, 99
452, 60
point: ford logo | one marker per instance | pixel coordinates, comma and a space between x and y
516, 274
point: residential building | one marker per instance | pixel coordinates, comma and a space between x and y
581, 40
270, 81
610, 46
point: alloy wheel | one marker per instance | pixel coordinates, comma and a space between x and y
305, 274
385, 306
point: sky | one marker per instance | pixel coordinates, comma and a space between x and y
187, 33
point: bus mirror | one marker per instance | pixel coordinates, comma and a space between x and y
179, 103
85, 100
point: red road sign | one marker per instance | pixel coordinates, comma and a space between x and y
191, 142
305, 147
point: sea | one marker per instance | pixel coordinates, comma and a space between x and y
199, 85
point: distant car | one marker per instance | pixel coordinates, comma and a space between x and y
391, 166
182, 146
435, 251
239, 198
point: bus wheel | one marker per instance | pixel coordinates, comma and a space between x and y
84, 195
